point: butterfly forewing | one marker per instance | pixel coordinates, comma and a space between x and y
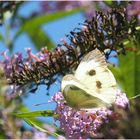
95, 75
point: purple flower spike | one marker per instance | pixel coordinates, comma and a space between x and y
86, 123
9, 63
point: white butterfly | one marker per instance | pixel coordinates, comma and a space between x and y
93, 84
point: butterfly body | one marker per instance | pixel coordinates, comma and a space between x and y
93, 85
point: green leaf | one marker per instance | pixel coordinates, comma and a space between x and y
113, 4
36, 22
41, 39
2, 135
34, 123
29, 118
108, 2
127, 74
1, 37
118, 75
33, 25
48, 113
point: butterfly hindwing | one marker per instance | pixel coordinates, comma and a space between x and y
77, 97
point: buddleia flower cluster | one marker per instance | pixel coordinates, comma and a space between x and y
83, 124
12, 127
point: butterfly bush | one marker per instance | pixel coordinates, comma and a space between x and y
87, 123
99, 32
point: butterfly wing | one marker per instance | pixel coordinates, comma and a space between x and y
94, 74
76, 96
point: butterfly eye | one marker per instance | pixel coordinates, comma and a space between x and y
98, 84
92, 72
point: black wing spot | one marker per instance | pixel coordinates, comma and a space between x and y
92, 72
98, 84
